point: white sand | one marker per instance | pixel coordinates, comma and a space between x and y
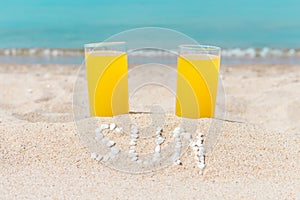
41, 155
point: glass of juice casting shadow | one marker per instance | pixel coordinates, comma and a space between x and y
107, 78
197, 81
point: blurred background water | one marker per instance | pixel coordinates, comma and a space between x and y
235, 25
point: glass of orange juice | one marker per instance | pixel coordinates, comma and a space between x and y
197, 81
107, 78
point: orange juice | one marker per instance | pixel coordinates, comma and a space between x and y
197, 83
107, 83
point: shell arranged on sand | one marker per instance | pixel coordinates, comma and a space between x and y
178, 133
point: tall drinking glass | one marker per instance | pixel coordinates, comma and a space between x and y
197, 81
107, 78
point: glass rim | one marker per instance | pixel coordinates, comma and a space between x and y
102, 44
199, 47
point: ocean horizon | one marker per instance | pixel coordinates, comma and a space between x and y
53, 28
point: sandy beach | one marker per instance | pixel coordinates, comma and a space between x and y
256, 155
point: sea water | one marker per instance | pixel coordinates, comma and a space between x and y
55, 25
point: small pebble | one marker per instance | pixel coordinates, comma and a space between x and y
134, 129
110, 143
115, 150
199, 143
132, 147
93, 155
156, 156
134, 158
139, 161
201, 150
99, 136
177, 130
134, 135
99, 158
131, 151
176, 156
160, 140
159, 129
177, 145
176, 134
157, 149
132, 143
192, 144
98, 130
105, 140
177, 140
112, 155
112, 126
105, 158
132, 154
201, 159
177, 162
118, 130
104, 126
187, 135
195, 148
146, 162
200, 165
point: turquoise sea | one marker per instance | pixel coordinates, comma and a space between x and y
232, 24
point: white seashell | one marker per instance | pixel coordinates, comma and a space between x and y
93, 155
157, 149
110, 143
112, 126
115, 150
160, 140
104, 126
197, 158
99, 158
105, 158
